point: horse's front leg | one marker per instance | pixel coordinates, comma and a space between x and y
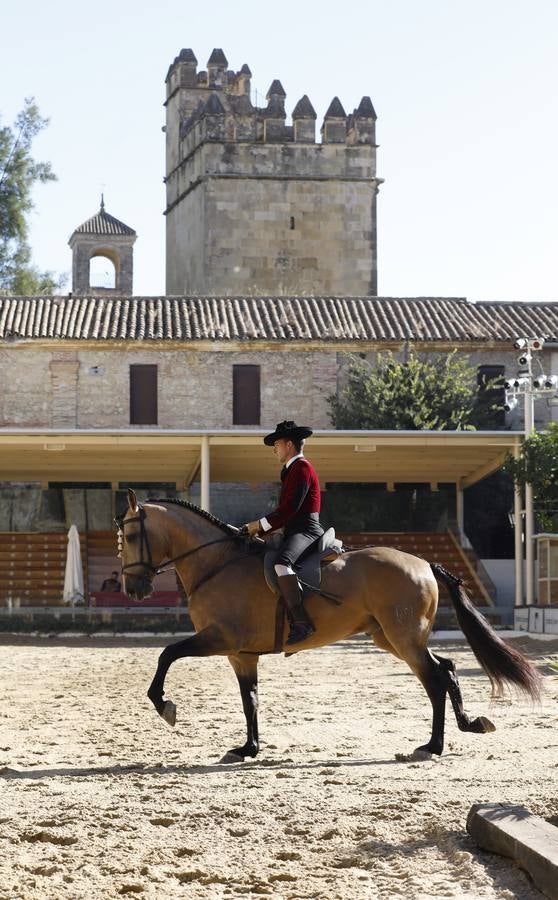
246, 670
208, 642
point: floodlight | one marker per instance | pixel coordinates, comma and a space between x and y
510, 404
522, 360
520, 343
540, 381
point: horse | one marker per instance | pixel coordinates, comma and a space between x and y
387, 594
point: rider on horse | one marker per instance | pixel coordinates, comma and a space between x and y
298, 513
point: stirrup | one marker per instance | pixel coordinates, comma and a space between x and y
299, 631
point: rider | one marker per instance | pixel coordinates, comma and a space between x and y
298, 513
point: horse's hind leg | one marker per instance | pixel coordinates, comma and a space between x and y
430, 675
246, 670
480, 725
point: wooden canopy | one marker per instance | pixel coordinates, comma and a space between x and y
182, 457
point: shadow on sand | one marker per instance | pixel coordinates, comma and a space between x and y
140, 768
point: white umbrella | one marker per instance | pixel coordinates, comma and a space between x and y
73, 576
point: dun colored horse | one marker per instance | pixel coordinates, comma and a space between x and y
389, 595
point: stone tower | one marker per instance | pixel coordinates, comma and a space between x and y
103, 235
256, 206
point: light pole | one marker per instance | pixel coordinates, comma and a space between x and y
531, 387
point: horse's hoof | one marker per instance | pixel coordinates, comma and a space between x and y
486, 725
169, 713
229, 758
418, 755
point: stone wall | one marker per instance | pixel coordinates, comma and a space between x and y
26, 390
301, 222
91, 388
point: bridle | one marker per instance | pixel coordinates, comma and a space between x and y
120, 523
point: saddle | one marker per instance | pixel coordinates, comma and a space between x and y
309, 565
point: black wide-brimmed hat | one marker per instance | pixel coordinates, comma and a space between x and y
289, 431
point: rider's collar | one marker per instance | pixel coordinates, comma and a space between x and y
292, 459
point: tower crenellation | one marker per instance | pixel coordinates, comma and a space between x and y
334, 128
217, 69
361, 124
196, 89
304, 121
224, 152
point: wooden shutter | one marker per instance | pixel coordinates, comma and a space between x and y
143, 395
246, 395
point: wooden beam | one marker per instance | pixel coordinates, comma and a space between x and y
515, 832
484, 471
192, 474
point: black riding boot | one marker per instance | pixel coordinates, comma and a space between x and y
301, 626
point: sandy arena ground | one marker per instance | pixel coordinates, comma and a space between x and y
99, 798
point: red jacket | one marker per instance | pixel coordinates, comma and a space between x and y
300, 493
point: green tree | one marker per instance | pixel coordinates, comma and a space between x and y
19, 173
434, 393
538, 465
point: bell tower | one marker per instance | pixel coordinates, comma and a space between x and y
107, 240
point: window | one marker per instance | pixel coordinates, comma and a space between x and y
246, 395
143, 395
490, 381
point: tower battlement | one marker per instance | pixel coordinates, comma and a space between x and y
241, 181
216, 105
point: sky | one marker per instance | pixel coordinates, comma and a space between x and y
465, 92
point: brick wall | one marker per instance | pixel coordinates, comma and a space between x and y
26, 392
90, 388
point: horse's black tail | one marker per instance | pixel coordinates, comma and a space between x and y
502, 663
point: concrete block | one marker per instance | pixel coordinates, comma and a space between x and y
515, 832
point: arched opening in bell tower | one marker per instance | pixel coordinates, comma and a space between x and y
103, 269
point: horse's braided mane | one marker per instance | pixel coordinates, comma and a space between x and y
196, 509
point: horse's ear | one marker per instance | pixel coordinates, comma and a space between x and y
132, 500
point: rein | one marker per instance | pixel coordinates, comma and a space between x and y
158, 570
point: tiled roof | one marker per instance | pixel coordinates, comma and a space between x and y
103, 223
330, 319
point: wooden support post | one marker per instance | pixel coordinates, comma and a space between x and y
205, 474
460, 512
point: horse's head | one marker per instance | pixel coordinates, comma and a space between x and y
141, 546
